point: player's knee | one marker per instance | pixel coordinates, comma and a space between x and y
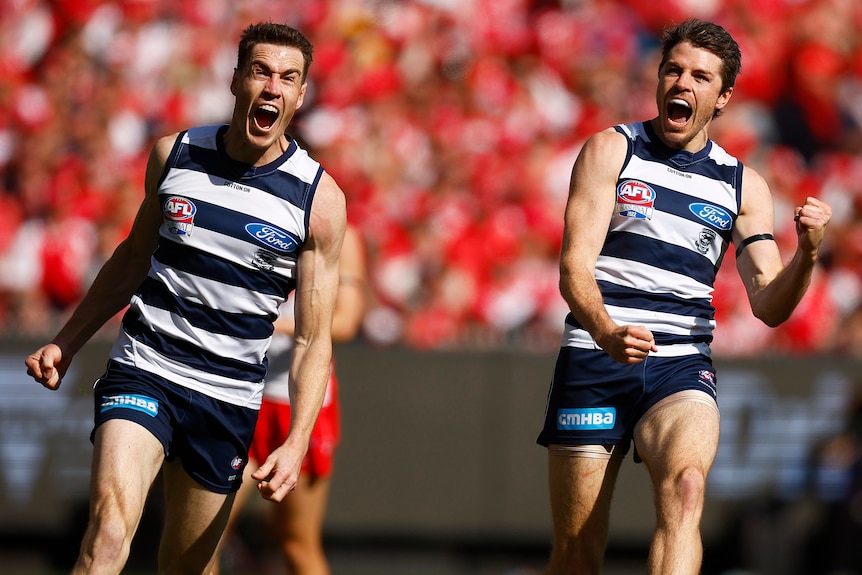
108, 539
689, 489
300, 554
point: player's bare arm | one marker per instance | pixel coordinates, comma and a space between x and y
114, 285
589, 209
351, 300
352, 279
774, 290
316, 291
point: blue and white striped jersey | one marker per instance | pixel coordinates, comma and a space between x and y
225, 261
667, 237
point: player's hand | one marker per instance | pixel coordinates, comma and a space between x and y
628, 343
47, 365
811, 220
277, 476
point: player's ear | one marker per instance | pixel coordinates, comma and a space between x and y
301, 98
724, 98
233, 81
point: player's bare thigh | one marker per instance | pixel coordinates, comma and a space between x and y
126, 460
680, 430
581, 479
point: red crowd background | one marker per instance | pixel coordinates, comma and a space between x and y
452, 126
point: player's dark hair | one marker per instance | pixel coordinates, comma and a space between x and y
710, 37
277, 34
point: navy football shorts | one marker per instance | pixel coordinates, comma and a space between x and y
210, 437
595, 400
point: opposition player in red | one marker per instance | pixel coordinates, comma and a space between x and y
296, 523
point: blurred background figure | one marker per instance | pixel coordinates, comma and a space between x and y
295, 525
836, 483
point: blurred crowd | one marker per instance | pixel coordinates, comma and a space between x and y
452, 126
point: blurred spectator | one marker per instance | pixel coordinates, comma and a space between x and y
848, 335
836, 481
451, 126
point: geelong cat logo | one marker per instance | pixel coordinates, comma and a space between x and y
272, 237
704, 240
635, 200
713, 215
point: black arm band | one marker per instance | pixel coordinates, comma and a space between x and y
752, 239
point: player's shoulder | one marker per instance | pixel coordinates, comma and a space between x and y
752, 180
329, 208
163, 146
159, 154
611, 133
609, 140
604, 150
329, 192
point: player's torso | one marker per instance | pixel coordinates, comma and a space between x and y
673, 216
226, 260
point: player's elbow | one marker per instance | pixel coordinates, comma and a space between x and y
569, 277
771, 317
343, 333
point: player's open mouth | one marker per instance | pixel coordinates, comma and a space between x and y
265, 116
678, 112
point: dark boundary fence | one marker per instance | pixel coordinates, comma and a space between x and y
439, 449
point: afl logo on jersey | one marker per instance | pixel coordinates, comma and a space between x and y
713, 215
272, 237
179, 215
635, 200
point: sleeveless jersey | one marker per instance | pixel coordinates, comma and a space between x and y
225, 261
667, 238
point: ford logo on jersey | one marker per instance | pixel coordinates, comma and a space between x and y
271, 237
713, 215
